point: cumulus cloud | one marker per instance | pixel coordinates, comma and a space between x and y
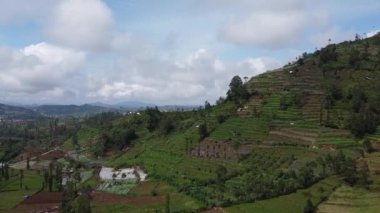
271, 30
38, 68
192, 79
269, 24
81, 24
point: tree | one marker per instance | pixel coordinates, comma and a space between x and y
100, 145
349, 171
153, 118
74, 140
58, 177
21, 177
207, 106
167, 203
81, 204
362, 123
46, 179
363, 175
237, 92
202, 131
309, 207
167, 125
367, 145
28, 163
68, 196
358, 99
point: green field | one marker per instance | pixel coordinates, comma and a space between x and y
10, 192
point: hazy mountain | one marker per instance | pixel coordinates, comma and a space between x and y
17, 112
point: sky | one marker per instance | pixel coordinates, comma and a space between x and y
160, 51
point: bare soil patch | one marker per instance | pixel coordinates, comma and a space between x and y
140, 201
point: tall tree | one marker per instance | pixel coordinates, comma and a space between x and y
167, 203
237, 92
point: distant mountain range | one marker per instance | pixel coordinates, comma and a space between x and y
16, 112
127, 104
19, 111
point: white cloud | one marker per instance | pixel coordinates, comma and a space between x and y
12, 11
268, 24
120, 90
39, 68
199, 76
271, 30
82, 24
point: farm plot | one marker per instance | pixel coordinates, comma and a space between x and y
11, 194
117, 187
105, 202
41, 202
241, 129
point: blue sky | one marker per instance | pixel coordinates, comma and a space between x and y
163, 52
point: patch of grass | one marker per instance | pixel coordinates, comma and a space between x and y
10, 191
241, 129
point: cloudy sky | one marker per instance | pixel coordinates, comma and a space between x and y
159, 51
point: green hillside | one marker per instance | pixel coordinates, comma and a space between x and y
288, 136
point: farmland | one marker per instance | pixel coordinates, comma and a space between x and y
290, 203
10, 191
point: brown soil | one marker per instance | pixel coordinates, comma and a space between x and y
52, 155
293, 136
41, 202
103, 197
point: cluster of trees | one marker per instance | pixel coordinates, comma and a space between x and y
4, 167
327, 54
115, 139
53, 177
166, 122
346, 167
254, 184
73, 202
363, 119
257, 182
237, 92
364, 115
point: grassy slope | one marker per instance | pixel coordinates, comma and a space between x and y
354, 199
351, 200
167, 158
292, 203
